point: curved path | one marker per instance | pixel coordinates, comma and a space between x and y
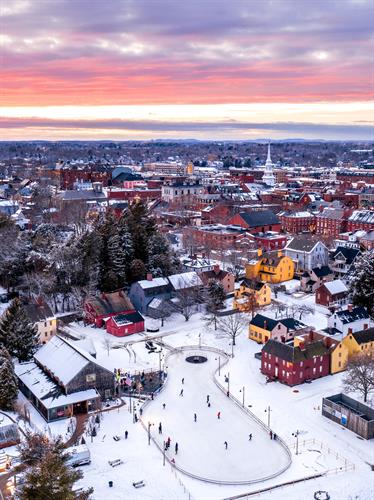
202, 452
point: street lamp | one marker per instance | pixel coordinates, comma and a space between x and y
160, 357
228, 382
268, 410
199, 340
243, 391
296, 435
164, 452
149, 432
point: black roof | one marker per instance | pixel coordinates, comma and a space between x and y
322, 271
295, 354
292, 323
349, 253
259, 320
38, 312
302, 244
132, 317
252, 284
364, 336
357, 313
259, 218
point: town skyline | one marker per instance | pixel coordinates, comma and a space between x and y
209, 70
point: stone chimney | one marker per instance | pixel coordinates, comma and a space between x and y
149, 277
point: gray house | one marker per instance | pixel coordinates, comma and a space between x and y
142, 292
306, 253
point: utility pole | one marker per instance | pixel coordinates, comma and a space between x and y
243, 396
149, 433
164, 454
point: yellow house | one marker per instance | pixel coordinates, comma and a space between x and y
271, 267
251, 294
351, 345
260, 328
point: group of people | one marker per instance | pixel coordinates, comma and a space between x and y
167, 445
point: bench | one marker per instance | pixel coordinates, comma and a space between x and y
138, 484
116, 438
116, 462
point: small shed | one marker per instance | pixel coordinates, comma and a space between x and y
352, 414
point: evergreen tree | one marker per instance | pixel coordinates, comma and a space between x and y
47, 475
141, 227
137, 270
362, 282
162, 260
118, 261
17, 334
8, 381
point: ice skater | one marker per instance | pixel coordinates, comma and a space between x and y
207, 399
126, 434
168, 443
164, 406
176, 448
219, 415
195, 417
182, 380
160, 428
181, 393
250, 437
274, 436
226, 445
271, 434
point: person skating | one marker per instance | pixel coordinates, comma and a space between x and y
274, 436
176, 448
182, 380
271, 434
160, 428
226, 445
126, 434
250, 437
219, 415
164, 406
195, 417
207, 399
181, 393
168, 442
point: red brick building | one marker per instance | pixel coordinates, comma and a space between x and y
215, 237
361, 220
270, 241
307, 358
332, 222
297, 222
260, 221
134, 193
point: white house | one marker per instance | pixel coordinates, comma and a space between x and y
350, 320
307, 253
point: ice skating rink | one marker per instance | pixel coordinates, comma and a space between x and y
201, 444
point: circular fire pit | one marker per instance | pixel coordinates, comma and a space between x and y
196, 359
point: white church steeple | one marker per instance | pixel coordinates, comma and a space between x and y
268, 176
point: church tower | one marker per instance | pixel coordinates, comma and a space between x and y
268, 176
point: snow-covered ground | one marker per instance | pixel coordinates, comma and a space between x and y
201, 444
205, 438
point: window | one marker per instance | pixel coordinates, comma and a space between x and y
320, 369
301, 374
314, 371
91, 377
301, 364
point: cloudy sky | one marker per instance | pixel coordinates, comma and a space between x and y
208, 69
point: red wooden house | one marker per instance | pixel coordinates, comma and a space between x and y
293, 363
98, 309
125, 324
332, 293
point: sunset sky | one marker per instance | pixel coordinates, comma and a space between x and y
204, 69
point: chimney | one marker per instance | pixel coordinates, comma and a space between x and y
149, 277
350, 308
216, 268
259, 252
265, 325
279, 253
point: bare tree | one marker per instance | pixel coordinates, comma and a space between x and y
305, 310
187, 293
232, 326
360, 374
107, 344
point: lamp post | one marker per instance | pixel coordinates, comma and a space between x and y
164, 453
159, 362
219, 365
296, 435
199, 340
268, 410
243, 391
149, 432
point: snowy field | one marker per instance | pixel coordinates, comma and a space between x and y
201, 444
204, 439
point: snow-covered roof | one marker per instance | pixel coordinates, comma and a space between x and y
46, 390
62, 358
185, 280
154, 282
336, 286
